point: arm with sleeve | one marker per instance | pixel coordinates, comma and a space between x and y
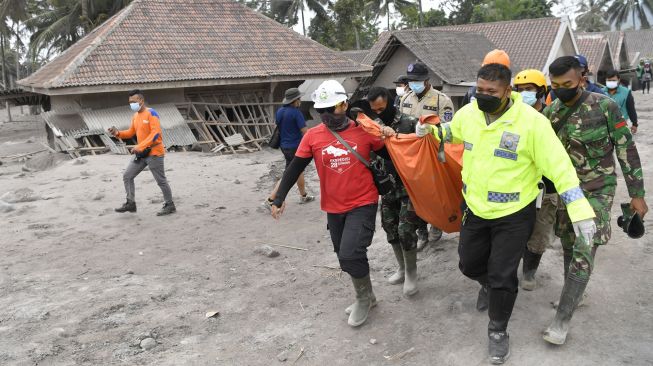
626, 150
128, 133
630, 107
552, 159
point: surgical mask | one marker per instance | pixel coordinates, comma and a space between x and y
335, 122
612, 84
401, 91
529, 97
488, 103
417, 86
135, 106
566, 94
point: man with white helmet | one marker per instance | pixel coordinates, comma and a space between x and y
348, 194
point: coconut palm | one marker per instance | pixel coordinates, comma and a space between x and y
287, 11
381, 8
591, 17
620, 10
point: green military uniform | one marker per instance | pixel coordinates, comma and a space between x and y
398, 217
432, 102
591, 135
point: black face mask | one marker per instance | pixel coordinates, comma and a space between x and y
566, 94
488, 103
335, 122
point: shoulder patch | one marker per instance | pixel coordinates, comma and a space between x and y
153, 113
448, 114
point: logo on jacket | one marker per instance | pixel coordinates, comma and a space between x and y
336, 157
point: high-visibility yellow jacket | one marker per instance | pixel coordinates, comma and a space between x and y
503, 162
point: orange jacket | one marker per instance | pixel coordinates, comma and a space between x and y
147, 128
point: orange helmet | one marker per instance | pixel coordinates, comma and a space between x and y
497, 57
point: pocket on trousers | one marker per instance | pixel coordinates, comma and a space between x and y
366, 233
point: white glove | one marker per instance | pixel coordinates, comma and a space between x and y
586, 228
424, 129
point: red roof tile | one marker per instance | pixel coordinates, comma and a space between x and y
594, 48
154, 41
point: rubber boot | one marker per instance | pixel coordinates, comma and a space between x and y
363, 304
529, 266
399, 275
435, 234
422, 238
167, 209
129, 206
482, 301
410, 281
500, 307
567, 256
350, 308
572, 293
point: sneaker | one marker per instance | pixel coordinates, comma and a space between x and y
167, 209
129, 206
306, 199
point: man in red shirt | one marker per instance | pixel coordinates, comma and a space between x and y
148, 153
348, 193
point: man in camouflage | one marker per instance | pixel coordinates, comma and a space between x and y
422, 99
591, 128
398, 217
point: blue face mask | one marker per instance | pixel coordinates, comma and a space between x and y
135, 106
416, 86
529, 97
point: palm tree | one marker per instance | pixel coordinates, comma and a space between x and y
591, 17
286, 11
621, 10
381, 8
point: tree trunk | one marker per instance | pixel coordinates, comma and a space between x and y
18, 59
358, 38
421, 15
85, 18
387, 12
4, 74
303, 24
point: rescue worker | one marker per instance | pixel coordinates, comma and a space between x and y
348, 193
531, 84
149, 153
508, 146
587, 84
401, 88
591, 129
398, 217
622, 96
423, 99
495, 56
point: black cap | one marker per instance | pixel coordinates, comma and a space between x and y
403, 79
631, 222
417, 72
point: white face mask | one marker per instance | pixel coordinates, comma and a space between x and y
401, 91
612, 84
135, 106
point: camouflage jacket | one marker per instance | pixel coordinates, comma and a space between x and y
402, 124
590, 136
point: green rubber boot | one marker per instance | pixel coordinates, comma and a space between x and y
363, 304
398, 277
410, 281
572, 293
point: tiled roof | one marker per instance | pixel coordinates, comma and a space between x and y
356, 55
453, 56
617, 42
154, 41
593, 47
640, 41
528, 42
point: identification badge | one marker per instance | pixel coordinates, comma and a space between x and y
509, 141
407, 105
430, 108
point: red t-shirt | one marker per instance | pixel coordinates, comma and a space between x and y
345, 183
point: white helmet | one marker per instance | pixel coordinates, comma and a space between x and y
328, 94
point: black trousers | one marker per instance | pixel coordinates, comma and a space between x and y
351, 234
490, 250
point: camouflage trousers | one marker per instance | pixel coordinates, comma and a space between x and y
543, 232
399, 221
582, 260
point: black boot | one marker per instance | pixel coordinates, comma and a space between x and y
501, 303
129, 206
572, 293
167, 209
529, 266
482, 301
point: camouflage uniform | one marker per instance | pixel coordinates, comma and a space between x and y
590, 136
398, 217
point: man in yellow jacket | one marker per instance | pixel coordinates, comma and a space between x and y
508, 147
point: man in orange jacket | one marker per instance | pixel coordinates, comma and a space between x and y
149, 152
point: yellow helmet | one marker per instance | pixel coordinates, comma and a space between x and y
531, 76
